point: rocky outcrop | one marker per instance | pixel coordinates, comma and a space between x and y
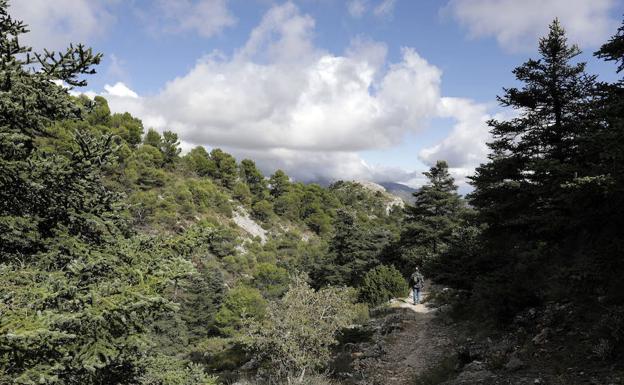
243, 220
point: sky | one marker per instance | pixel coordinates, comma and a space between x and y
324, 89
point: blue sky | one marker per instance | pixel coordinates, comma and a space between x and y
362, 89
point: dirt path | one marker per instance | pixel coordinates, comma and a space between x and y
416, 342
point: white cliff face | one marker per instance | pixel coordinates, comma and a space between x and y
395, 201
391, 199
241, 217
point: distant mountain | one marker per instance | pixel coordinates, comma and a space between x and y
397, 189
400, 190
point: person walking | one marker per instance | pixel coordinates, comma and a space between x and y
418, 282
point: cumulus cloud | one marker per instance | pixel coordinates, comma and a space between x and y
357, 8
54, 26
465, 147
286, 103
116, 68
381, 9
384, 8
516, 25
120, 90
204, 17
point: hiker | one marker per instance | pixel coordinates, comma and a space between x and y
418, 282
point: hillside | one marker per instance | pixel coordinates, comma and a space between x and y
124, 261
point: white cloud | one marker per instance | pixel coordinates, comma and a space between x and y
120, 90
357, 8
116, 68
286, 103
204, 17
55, 24
465, 147
385, 8
381, 9
517, 24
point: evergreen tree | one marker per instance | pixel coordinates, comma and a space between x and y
613, 50
520, 193
200, 162
153, 138
128, 128
250, 174
76, 297
353, 250
170, 147
430, 222
226, 171
279, 184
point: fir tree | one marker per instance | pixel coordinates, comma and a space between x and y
430, 222
520, 193
77, 298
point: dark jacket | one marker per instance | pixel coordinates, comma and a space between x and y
417, 279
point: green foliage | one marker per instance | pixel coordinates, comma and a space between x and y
240, 305
430, 223
298, 332
262, 210
225, 172
153, 138
170, 147
279, 184
250, 174
163, 370
241, 193
271, 280
78, 298
199, 162
613, 50
520, 193
382, 284
354, 250
99, 113
129, 128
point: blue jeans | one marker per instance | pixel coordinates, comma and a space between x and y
416, 295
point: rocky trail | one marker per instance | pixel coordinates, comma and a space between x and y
417, 345
408, 341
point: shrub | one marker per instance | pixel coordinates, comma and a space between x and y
299, 331
271, 280
240, 304
382, 284
262, 210
164, 370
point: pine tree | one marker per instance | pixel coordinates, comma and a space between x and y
430, 222
250, 174
226, 171
519, 192
279, 184
170, 147
354, 250
77, 298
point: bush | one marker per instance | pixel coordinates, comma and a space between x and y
271, 280
240, 304
382, 284
300, 330
164, 370
262, 210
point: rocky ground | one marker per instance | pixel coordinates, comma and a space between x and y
417, 345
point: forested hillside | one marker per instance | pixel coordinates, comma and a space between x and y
124, 261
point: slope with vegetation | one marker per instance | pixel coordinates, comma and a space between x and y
123, 261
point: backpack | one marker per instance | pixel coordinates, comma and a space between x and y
418, 281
